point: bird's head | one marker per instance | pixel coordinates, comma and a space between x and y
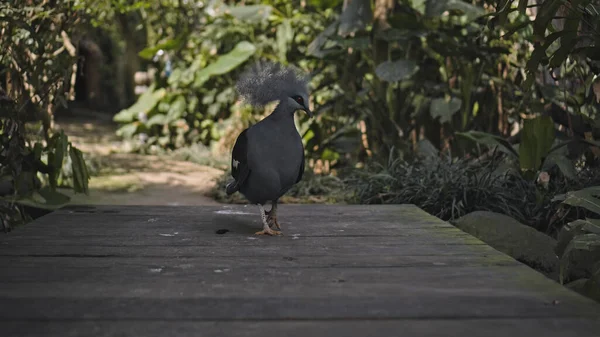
300, 102
268, 81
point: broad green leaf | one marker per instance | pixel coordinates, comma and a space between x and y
158, 119
586, 198
564, 164
419, 5
537, 138
394, 71
250, 13
149, 52
356, 43
546, 13
426, 149
81, 176
316, 47
584, 242
285, 35
175, 77
225, 63
53, 197
557, 95
435, 8
330, 155
127, 130
444, 108
355, 17
56, 156
177, 109
573, 229
569, 38
557, 155
38, 148
325, 4
39, 201
490, 140
145, 103
538, 54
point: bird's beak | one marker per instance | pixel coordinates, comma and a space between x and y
308, 112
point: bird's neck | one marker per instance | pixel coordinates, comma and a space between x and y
283, 112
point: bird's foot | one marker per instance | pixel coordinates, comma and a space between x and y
267, 219
273, 222
268, 231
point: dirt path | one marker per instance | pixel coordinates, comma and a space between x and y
134, 179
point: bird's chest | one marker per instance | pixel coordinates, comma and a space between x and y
286, 148
282, 148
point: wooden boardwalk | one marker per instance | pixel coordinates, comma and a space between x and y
338, 271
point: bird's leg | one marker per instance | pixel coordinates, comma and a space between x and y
266, 229
272, 216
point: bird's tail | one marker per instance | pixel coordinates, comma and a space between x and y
232, 187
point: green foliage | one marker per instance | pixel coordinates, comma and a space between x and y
444, 108
452, 187
35, 68
538, 151
579, 241
537, 138
448, 188
572, 46
437, 69
195, 103
432, 68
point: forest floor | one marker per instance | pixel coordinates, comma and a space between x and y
123, 178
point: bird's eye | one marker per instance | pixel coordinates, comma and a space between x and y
298, 99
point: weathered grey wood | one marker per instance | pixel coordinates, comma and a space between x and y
284, 308
546, 327
176, 237
266, 249
30, 264
430, 277
339, 271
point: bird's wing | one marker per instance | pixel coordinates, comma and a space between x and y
301, 169
239, 162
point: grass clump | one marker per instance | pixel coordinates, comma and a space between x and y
449, 188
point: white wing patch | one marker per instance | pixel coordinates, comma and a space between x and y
235, 163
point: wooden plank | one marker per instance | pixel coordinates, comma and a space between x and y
401, 304
187, 228
408, 212
29, 265
429, 277
269, 249
210, 242
547, 327
106, 271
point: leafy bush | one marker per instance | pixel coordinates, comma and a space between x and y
193, 103
432, 69
36, 62
579, 242
452, 187
446, 188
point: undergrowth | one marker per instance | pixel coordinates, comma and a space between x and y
450, 188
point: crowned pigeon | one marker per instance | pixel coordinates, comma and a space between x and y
268, 157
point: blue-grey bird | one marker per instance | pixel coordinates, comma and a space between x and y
268, 157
